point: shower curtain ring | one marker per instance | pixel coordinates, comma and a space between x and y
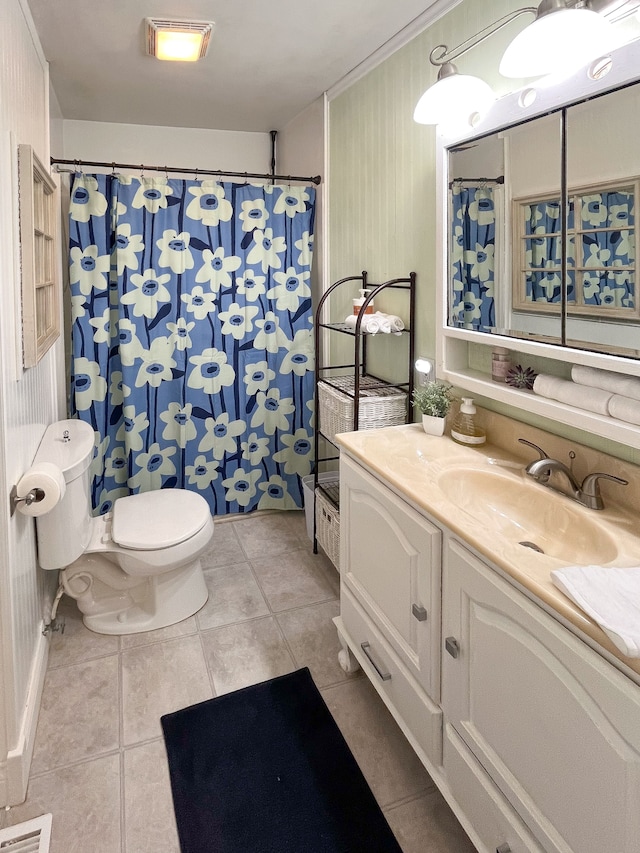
246, 178
142, 171
195, 174
113, 169
166, 172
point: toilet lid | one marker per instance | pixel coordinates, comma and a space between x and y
153, 520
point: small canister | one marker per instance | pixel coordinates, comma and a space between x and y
500, 364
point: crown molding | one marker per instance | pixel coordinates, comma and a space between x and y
436, 10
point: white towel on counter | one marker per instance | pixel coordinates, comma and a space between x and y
615, 383
554, 388
378, 322
610, 596
625, 409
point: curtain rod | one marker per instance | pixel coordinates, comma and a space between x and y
288, 178
498, 180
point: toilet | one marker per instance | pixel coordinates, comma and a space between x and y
136, 568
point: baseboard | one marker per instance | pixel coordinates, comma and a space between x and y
19, 758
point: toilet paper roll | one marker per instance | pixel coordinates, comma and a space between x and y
47, 481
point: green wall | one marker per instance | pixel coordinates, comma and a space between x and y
382, 208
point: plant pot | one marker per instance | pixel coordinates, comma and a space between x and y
433, 425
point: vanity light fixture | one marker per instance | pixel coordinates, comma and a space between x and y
454, 99
178, 40
563, 36
561, 39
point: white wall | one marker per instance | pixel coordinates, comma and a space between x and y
300, 150
179, 147
28, 402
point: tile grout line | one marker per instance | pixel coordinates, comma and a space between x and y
123, 822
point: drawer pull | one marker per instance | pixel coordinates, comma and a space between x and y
453, 647
385, 676
504, 848
419, 612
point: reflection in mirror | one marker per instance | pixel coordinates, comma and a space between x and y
507, 260
603, 165
506, 237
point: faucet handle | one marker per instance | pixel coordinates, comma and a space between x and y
541, 476
543, 455
591, 488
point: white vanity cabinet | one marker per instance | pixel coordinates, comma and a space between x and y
391, 558
390, 603
532, 737
556, 727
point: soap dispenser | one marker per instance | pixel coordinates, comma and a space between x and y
358, 303
464, 429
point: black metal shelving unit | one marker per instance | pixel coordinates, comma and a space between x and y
358, 368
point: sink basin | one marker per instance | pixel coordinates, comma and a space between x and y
523, 512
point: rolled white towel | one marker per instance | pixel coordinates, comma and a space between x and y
385, 323
611, 596
574, 395
396, 324
624, 409
370, 323
615, 383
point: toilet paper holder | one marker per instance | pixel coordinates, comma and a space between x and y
32, 497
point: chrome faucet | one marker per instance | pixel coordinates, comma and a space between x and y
587, 494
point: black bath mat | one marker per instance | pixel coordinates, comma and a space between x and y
266, 770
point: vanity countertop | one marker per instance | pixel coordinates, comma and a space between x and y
420, 467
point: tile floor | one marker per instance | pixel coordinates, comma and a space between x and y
99, 763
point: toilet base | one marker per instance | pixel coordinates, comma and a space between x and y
173, 596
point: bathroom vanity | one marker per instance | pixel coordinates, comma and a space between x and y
524, 713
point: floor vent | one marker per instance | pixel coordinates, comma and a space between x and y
32, 836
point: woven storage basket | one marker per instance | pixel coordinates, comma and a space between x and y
328, 524
378, 407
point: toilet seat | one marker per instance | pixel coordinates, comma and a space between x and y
153, 520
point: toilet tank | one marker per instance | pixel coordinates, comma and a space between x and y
64, 532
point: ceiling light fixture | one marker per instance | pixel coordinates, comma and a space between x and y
177, 40
561, 39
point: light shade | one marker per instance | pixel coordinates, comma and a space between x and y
558, 41
181, 41
453, 100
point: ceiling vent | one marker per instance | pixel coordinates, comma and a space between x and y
32, 836
174, 39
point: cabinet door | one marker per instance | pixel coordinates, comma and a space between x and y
390, 561
555, 726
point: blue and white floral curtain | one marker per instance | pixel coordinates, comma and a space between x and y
472, 248
608, 248
543, 252
192, 341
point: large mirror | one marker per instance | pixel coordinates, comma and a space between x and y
542, 228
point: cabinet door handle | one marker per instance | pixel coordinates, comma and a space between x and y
504, 848
453, 647
384, 675
419, 612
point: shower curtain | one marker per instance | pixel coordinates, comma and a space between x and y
473, 236
192, 340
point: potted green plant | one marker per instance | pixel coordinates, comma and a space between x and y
433, 400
